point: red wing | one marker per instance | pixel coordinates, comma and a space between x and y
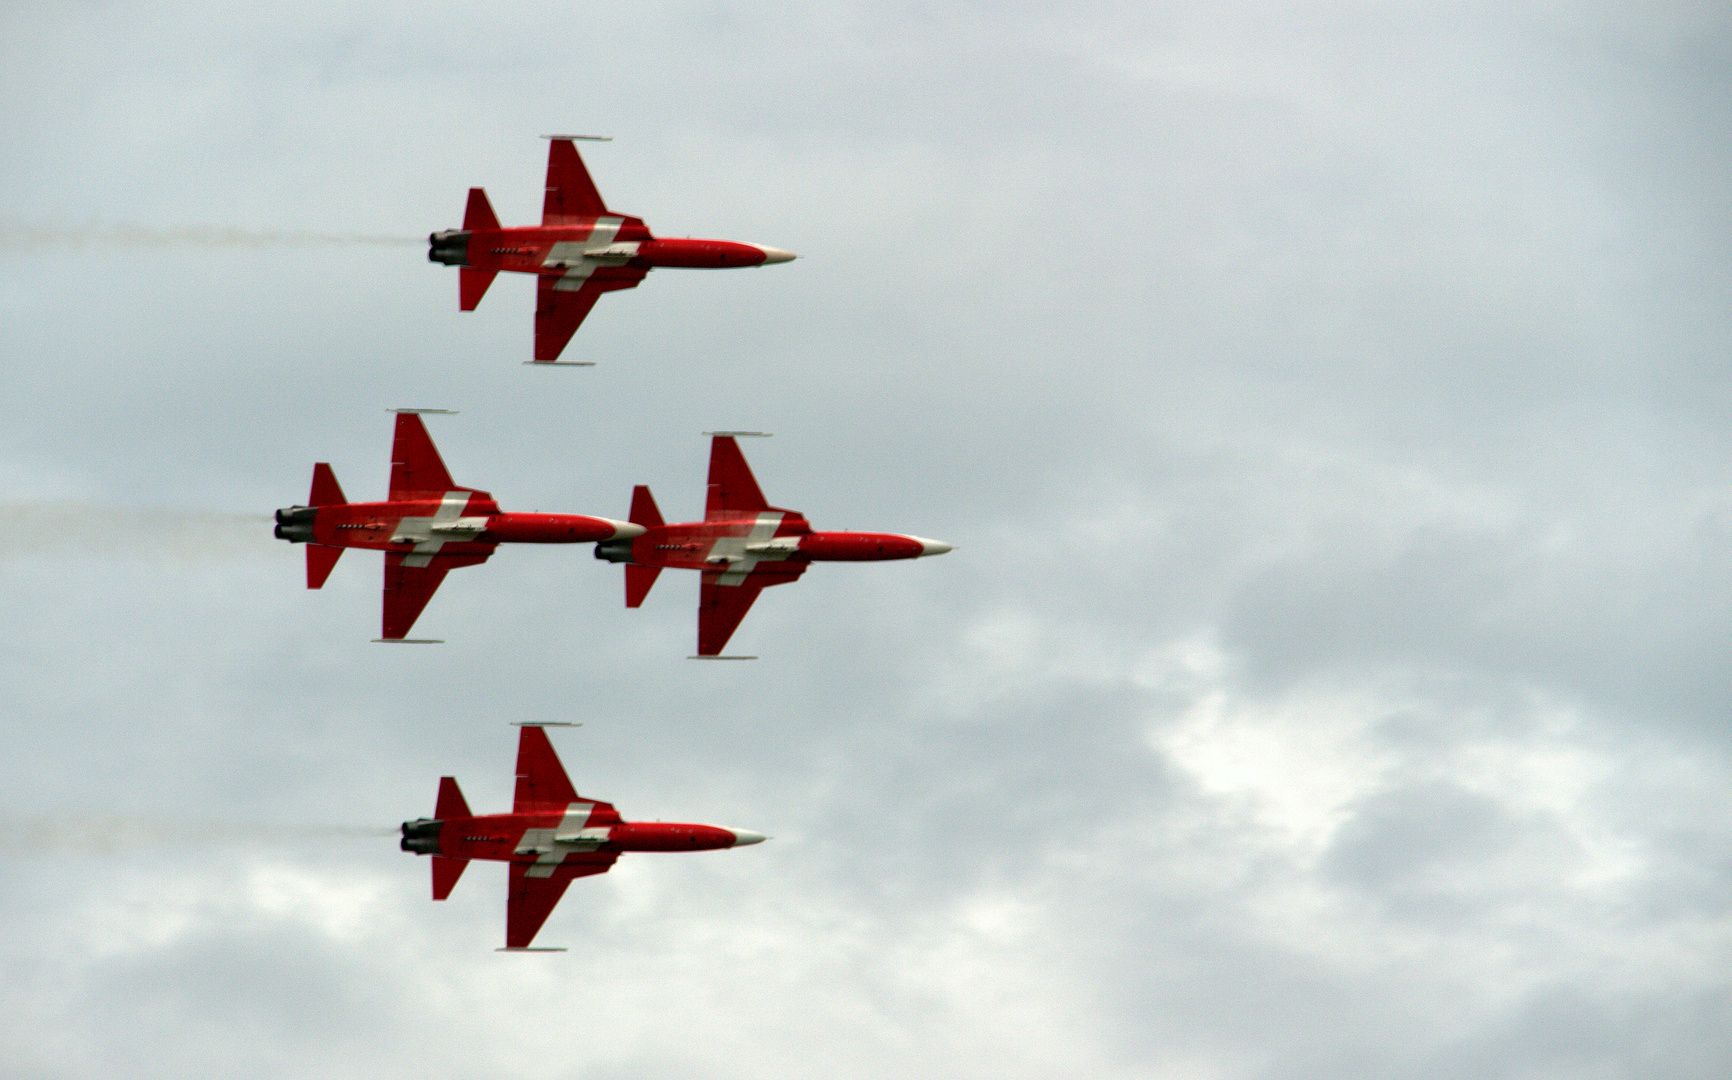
733, 489
408, 588
541, 779
721, 607
561, 305
416, 467
571, 194
532, 899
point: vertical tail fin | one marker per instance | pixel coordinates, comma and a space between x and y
472, 286
479, 213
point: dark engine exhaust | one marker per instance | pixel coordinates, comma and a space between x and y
614, 550
450, 248
296, 524
422, 836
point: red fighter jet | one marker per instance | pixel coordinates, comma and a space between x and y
551, 836
580, 250
743, 545
426, 527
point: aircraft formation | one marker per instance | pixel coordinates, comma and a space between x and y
428, 525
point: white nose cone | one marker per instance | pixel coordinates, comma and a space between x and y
742, 837
624, 530
930, 547
775, 255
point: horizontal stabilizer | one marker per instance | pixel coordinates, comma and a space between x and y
326, 491
445, 875
638, 580
479, 213
320, 561
472, 286
451, 803
644, 510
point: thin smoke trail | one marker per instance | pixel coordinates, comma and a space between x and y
21, 236
73, 833
67, 529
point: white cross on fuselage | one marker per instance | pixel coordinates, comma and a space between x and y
553, 845
731, 550
425, 532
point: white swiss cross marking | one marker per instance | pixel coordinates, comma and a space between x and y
570, 253
543, 843
731, 550
431, 533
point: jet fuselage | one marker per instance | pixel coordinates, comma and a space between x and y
542, 837
740, 544
609, 241
462, 523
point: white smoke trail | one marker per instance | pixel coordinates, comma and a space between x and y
21, 236
70, 530
41, 835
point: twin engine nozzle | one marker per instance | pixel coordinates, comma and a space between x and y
422, 836
296, 524
614, 550
450, 247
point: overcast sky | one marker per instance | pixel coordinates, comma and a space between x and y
1328, 403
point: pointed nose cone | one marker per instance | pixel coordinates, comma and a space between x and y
775, 255
930, 547
742, 837
624, 530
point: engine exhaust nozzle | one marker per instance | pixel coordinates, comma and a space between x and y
422, 836
450, 247
295, 524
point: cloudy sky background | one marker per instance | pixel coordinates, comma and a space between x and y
1329, 404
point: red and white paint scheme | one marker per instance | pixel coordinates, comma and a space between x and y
580, 250
551, 836
742, 546
426, 527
